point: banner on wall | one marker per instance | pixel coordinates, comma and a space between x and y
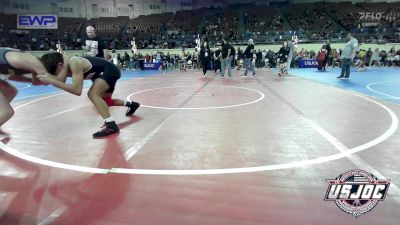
307, 63
37, 21
151, 66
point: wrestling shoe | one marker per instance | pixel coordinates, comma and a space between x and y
133, 106
108, 128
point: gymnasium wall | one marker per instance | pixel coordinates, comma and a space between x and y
353, 1
66, 8
112, 8
275, 48
105, 8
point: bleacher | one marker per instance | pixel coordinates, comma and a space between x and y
144, 26
109, 27
186, 21
262, 19
312, 22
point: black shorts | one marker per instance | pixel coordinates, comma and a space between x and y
111, 75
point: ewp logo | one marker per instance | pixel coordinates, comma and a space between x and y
37, 22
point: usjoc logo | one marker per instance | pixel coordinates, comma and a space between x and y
311, 63
149, 65
356, 192
37, 21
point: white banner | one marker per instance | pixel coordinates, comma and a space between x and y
37, 21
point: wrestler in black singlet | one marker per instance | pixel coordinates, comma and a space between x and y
104, 70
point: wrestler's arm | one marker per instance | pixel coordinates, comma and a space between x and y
26, 61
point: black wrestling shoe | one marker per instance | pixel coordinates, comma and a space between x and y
108, 128
133, 106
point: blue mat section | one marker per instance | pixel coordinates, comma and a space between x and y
380, 82
26, 91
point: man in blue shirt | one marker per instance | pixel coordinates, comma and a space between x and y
347, 56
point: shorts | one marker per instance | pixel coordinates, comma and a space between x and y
111, 75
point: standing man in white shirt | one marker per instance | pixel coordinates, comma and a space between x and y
133, 44
292, 50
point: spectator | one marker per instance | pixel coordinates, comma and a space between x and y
328, 54
321, 58
375, 58
239, 58
126, 59
258, 58
217, 59
233, 55
248, 61
368, 57
348, 54
283, 57
226, 60
182, 61
95, 45
133, 46
205, 57
335, 58
114, 57
384, 57
292, 47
